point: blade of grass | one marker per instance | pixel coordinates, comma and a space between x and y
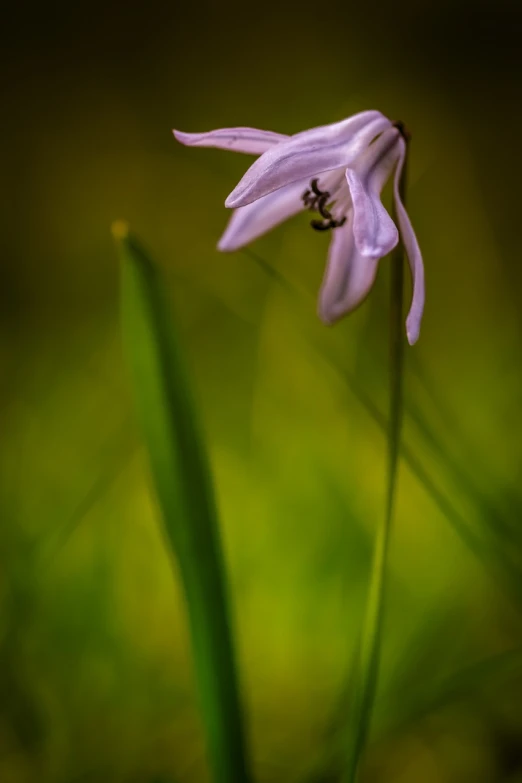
407, 708
494, 560
182, 482
412, 706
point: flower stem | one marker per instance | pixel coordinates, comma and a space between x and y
370, 646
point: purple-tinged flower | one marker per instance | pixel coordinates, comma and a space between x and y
338, 171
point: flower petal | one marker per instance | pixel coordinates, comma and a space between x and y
374, 231
307, 154
250, 222
248, 140
348, 278
413, 321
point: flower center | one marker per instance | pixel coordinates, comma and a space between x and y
316, 200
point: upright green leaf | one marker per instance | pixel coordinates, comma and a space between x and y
183, 486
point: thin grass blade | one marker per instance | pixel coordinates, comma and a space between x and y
182, 482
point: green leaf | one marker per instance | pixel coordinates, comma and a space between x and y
183, 486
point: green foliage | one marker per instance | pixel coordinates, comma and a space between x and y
96, 667
183, 487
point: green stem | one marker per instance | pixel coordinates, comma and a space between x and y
369, 652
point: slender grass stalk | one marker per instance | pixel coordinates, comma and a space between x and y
182, 482
370, 646
493, 559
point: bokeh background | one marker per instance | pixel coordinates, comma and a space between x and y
95, 674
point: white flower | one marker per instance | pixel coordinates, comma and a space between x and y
339, 171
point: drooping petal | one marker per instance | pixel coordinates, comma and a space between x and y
250, 222
248, 140
375, 232
306, 154
413, 321
348, 277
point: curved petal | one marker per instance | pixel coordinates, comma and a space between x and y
307, 154
248, 140
374, 231
348, 277
413, 321
250, 222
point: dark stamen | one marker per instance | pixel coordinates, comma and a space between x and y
315, 187
321, 225
316, 199
326, 225
321, 207
317, 203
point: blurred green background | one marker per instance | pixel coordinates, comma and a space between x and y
95, 675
